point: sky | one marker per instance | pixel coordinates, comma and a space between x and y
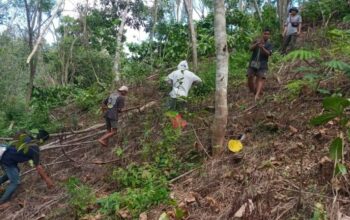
132, 35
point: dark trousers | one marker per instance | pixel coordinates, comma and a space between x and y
289, 40
12, 174
176, 104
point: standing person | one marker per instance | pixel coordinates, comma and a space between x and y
11, 157
258, 65
113, 105
181, 81
292, 29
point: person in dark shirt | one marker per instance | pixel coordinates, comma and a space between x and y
258, 65
113, 105
11, 157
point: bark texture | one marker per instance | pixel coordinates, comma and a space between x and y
221, 112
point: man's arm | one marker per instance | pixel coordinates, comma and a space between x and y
120, 104
44, 176
285, 27
196, 79
169, 80
266, 51
254, 45
299, 26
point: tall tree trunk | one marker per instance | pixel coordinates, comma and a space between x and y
189, 9
241, 5
119, 48
155, 18
32, 67
282, 11
221, 112
257, 9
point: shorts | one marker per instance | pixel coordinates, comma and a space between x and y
110, 123
261, 73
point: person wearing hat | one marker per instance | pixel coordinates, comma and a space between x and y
113, 105
11, 157
292, 29
181, 81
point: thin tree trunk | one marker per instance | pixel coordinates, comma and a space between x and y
282, 11
155, 18
32, 67
221, 112
241, 5
119, 44
257, 9
189, 8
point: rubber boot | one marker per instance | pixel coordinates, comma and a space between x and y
104, 139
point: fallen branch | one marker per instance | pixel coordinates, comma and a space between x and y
48, 204
199, 142
183, 175
49, 164
97, 126
51, 146
68, 145
316, 194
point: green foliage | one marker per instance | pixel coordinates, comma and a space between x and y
81, 197
339, 65
141, 187
135, 71
336, 149
335, 108
301, 55
319, 212
294, 87
90, 98
324, 10
136, 200
135, 176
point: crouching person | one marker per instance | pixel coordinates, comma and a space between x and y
11, 157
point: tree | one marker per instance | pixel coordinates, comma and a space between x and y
282, 11
119, 48
189, 9
221, 112
33, 13
130, 13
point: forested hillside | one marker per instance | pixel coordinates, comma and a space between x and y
223, 151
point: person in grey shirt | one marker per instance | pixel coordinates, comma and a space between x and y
112, 107
292, 29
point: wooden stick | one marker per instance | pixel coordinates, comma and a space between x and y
199, 142
49, 164
183, 175
95, 127
316, 194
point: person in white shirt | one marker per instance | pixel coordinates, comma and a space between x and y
181, 81
292, 29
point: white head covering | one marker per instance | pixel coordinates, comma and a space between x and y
123, 88
182, 65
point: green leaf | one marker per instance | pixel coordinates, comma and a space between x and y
336, 149
324, 91
301, 55
179, 213
163, 216
323, 119
340, 169
34, 131
335, 104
